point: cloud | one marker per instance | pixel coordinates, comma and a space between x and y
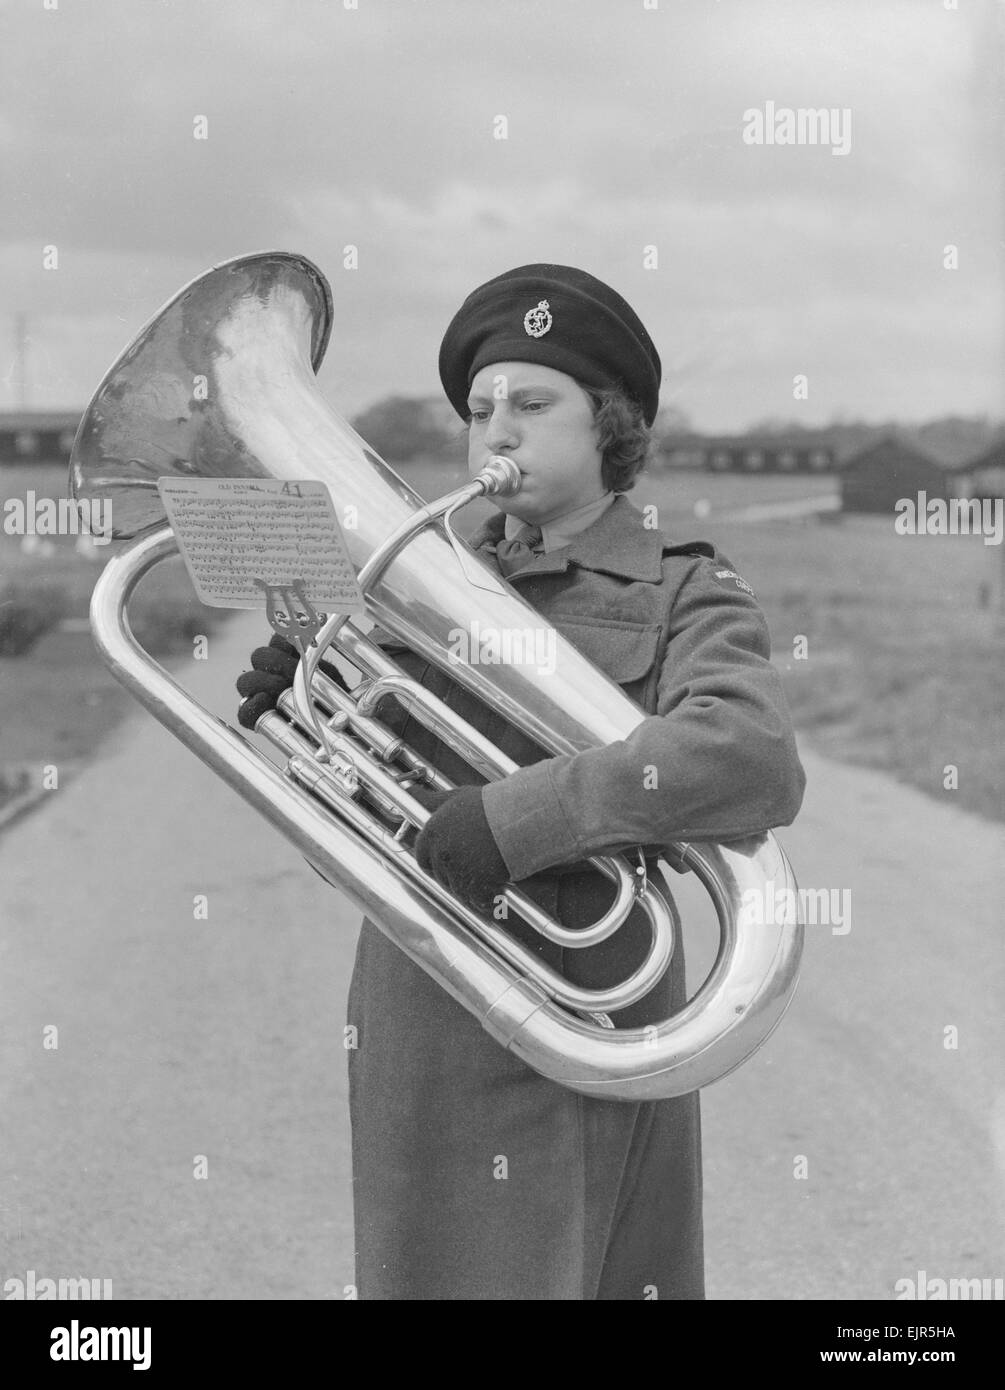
374, 127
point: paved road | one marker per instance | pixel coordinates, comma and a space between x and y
783, 511
222, 1037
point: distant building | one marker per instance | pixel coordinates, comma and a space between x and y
680, 451
985, 476
748, 453
876, 479
37, 436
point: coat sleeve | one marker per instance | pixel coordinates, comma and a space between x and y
717, 760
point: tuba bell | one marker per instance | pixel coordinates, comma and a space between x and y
253, 332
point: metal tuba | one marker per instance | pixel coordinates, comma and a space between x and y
254, 331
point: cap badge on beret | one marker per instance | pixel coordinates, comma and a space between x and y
537, 321
571, 322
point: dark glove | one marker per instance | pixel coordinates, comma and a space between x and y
274, 669
458, 848
430, 797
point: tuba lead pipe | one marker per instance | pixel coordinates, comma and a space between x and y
256, 328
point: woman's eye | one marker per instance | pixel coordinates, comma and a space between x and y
479, 416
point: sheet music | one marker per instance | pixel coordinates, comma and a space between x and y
237, 535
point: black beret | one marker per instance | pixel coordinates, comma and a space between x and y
556, 315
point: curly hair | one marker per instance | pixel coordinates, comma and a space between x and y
623, 437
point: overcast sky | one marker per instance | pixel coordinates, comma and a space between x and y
374, 126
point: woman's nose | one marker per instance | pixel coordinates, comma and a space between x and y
499, 432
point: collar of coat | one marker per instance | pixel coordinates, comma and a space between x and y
617, 543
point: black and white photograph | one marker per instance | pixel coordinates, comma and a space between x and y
502, 662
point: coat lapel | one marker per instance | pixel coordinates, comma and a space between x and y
617, 543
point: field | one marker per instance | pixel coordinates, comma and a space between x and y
57, 702
676, 492
905, 640
904, 637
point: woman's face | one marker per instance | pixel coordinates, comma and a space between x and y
542, 420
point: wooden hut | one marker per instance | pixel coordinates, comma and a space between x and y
37, 436
876, 479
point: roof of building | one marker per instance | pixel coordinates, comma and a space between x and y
992, 458
39, 420
951, 449
905, 448
744, 441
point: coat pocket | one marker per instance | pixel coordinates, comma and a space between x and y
626, 652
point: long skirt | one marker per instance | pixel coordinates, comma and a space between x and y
476, 1178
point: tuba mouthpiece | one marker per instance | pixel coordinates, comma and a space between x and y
500, 477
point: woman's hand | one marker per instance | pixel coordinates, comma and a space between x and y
274, 668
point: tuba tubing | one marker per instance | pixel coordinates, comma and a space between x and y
255, 329
732, 1015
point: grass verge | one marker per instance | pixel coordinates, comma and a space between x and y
890, 655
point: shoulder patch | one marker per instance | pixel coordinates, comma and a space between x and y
737, 580
695, 549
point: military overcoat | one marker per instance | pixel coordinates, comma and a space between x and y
473, 1176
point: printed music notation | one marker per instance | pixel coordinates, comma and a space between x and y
237, 535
